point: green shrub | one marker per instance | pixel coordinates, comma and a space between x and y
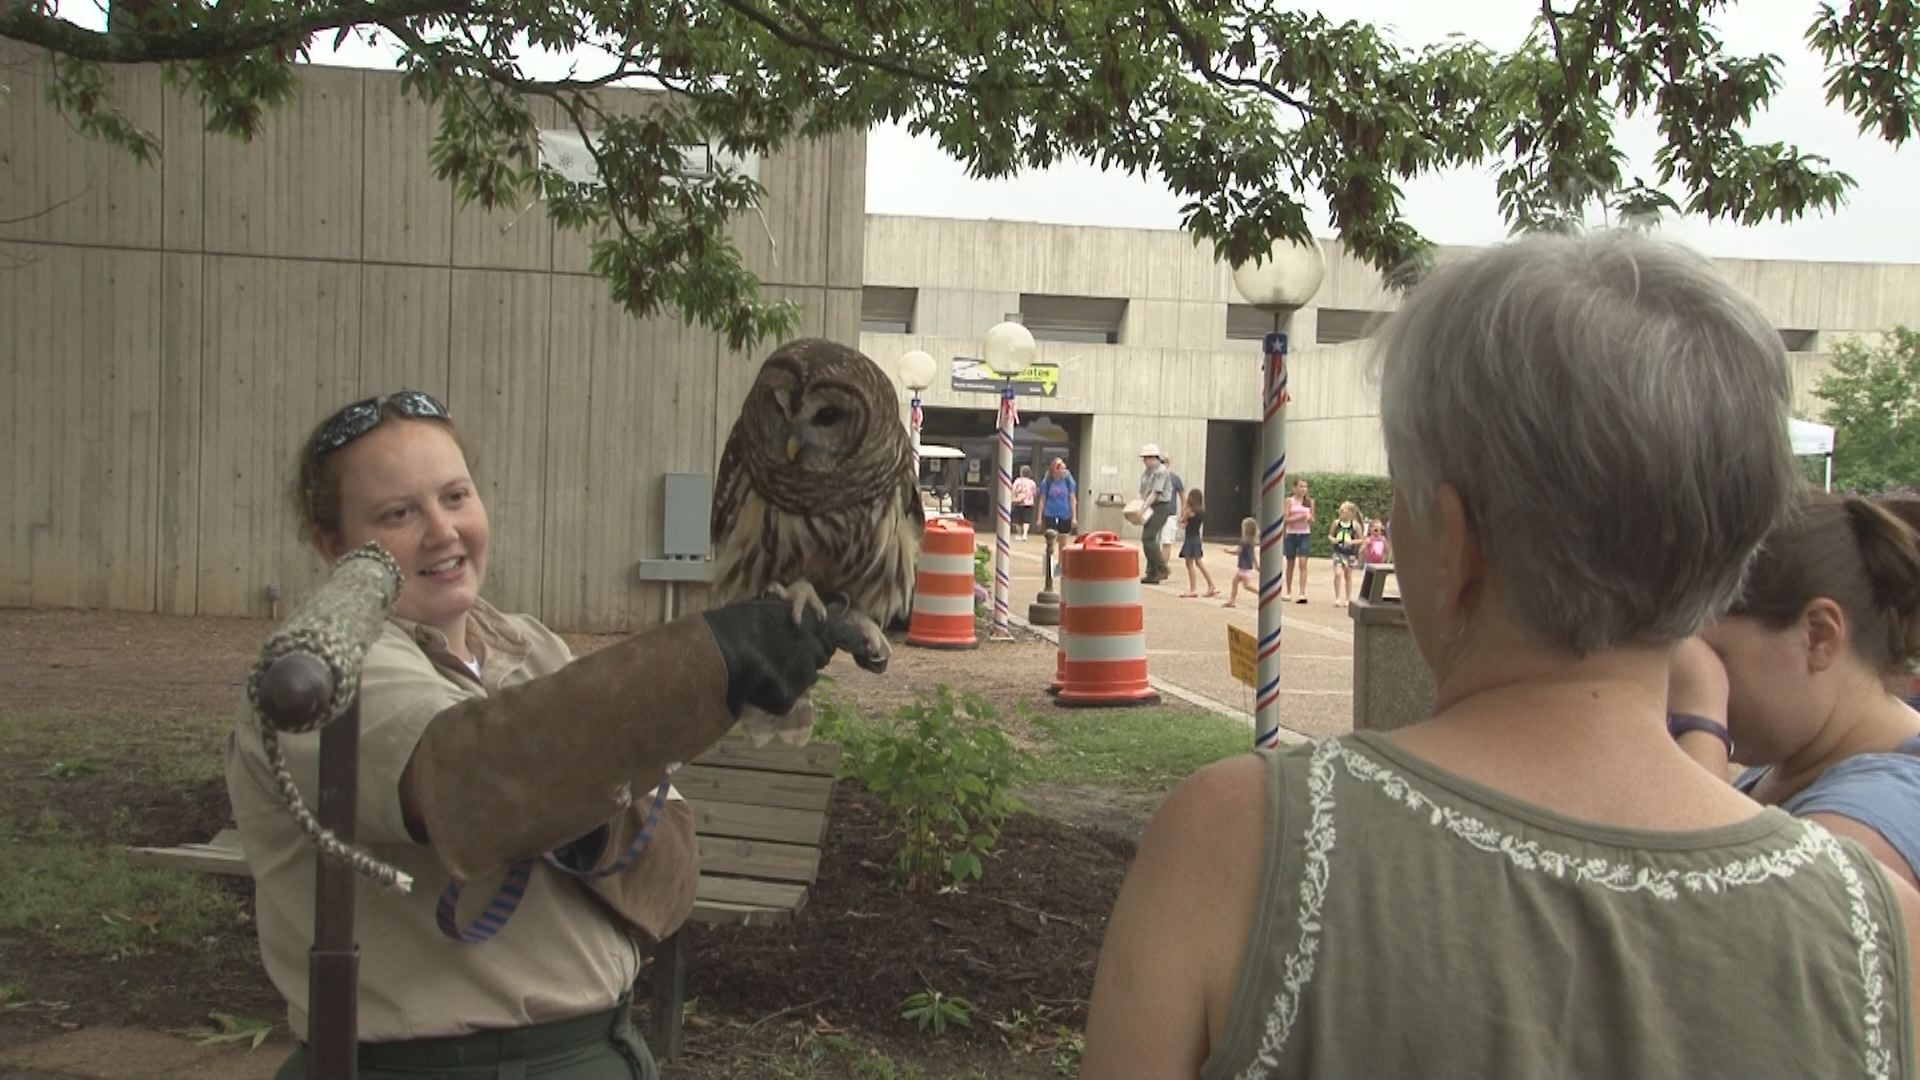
1373, 495
931, 1010
944, 773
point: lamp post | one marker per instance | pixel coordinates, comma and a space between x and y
1286, 279
1008, 350
916, 374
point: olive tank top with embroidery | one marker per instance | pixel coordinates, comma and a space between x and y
1414, 923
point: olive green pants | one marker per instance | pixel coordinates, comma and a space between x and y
604, 1046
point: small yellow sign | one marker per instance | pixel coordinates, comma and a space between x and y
1240, 655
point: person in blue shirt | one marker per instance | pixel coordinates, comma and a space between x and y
1814, 665
1060, 500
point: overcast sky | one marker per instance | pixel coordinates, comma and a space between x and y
1878, 223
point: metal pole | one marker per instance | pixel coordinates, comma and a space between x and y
1273, 505
914, 420
334, 962
1003, 519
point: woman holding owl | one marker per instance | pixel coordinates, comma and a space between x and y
492, 759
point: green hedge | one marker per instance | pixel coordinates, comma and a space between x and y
1373, 495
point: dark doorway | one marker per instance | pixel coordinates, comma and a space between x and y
1041, 437
1233, 467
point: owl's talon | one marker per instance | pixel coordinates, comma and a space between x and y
868, 642
803, 598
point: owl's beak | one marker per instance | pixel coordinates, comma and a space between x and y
793, 447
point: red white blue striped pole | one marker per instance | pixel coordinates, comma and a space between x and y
915, 417
1273, 507
1003, 517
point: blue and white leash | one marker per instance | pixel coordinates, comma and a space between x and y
507, 899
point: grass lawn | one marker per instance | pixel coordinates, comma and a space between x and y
1134, 749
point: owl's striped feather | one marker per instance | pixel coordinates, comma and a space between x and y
851, 529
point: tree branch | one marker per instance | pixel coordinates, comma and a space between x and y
799, 41
22, 23
1198, 59
45, 210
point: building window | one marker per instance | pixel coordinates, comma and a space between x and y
887, 310
1798, 340
1248, 323
1086, 319
1337, 326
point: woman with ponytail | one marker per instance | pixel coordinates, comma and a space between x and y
1907, 509
1817, 655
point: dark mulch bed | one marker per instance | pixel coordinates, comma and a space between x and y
1024, 938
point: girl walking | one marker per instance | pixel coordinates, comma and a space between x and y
1247, 555
1190, 549
1345, 536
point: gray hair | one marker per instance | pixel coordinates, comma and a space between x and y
1613, 414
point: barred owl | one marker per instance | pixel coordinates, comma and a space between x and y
816, 494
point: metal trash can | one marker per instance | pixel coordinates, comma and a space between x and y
1392, 687
1106, 517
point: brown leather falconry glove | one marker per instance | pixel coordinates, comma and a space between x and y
534, 766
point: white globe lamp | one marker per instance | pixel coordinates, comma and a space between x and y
1285, 280
917, 370
1009, 349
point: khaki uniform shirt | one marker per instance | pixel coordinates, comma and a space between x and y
561, 954
1156, 484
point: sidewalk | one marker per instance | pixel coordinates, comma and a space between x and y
1187, 639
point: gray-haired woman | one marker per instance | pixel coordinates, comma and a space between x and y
1588, 439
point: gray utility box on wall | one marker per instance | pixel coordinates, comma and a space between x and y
1391, 684
684, 508
684, 513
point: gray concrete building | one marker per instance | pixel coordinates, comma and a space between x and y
1154, 344
170, 333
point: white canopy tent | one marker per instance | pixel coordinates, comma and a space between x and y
1813, 440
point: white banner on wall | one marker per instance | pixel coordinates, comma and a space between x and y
568, 154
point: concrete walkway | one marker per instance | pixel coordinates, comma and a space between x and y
1187, 641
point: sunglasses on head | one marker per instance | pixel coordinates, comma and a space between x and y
355, 420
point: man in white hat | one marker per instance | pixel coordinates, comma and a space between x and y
1156, 492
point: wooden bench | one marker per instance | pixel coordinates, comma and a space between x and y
760, 814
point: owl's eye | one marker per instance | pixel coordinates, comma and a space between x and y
828, 416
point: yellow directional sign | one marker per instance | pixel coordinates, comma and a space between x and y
1038, 380
1240, 655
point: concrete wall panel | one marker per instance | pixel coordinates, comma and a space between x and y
497, 376
177, 513
409, 213
295, 189
281, 352
81, 437
405, 325
58, 185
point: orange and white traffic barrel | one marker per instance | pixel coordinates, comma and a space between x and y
943, 587
1103, 626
